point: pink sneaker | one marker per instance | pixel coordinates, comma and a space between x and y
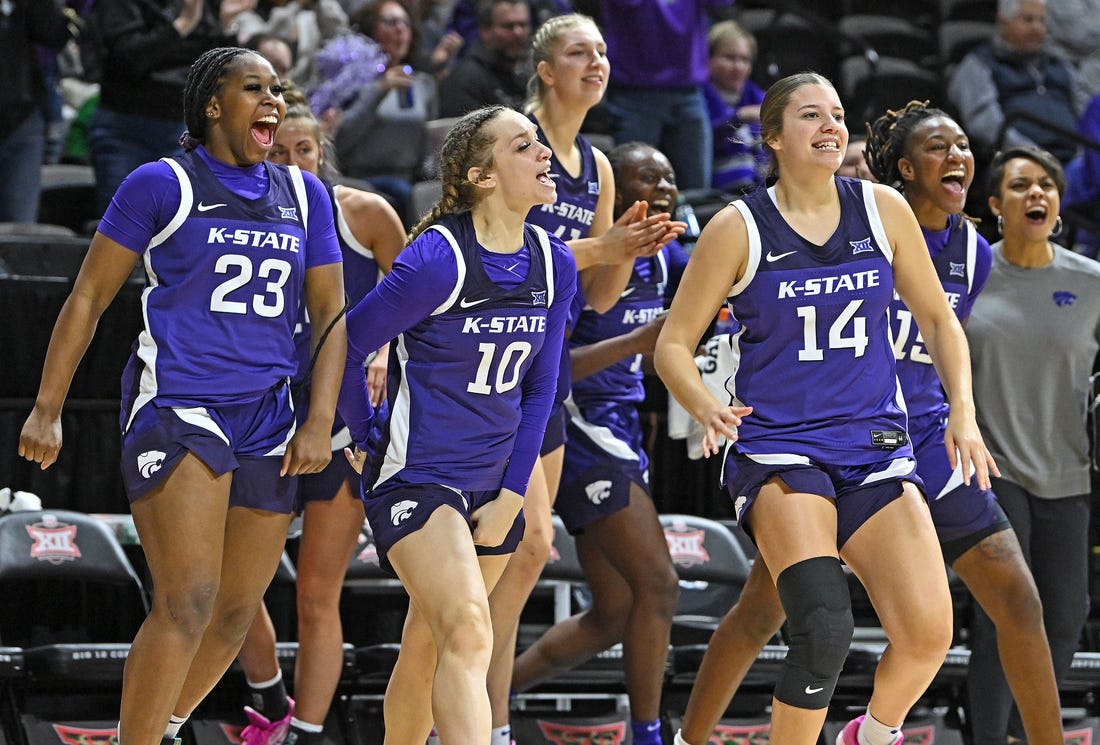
848, 735
260, 731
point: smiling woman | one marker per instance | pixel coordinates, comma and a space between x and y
830, 476
476, 305
206, 388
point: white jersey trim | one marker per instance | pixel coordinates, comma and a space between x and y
873, 216
461, 264
971, 253
898, 467
754, 248
198, 416
397, 451
187, 199
778, 459
548, 260
300, 192
600, 436
345, 230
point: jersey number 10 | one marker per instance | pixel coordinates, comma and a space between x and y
505, 371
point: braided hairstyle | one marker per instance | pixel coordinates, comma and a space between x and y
469, 144
542, 50
888, 137
204, 80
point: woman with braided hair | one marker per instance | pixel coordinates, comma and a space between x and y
232, 247
923, 153
475, 306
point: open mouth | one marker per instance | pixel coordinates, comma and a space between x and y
1036, 215
263, 130
828, 146
955, 182
546, 179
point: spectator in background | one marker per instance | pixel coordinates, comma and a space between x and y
1011, 74
305, 24
498, 65
276, 50
381, 135
733, 101
1073, 26
656, 92
854, 164
463, 17
23, 24
146, 51
1083, 181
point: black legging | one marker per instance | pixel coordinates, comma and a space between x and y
1054, 536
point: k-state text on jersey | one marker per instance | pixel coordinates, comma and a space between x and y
570, 212
533, 324
829, 285
255, 239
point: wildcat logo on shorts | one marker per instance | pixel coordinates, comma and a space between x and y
598, 491
686, 546
85, 735
150, 462
401, 511
54, 541
612, 733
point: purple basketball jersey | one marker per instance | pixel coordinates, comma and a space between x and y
570, 217
962, 259
812, 339
225, 279
465, 364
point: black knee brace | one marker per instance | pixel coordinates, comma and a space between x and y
815, 596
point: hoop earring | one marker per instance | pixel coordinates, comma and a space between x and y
1000, 225
1058, 226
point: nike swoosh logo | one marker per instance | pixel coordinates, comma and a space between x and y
628, 291
204, 207
812, 691
464, 303
512, 268
777, 257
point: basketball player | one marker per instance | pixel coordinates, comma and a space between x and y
476, 306
370, 235
926, 155
232, 246
604, 499
820, 466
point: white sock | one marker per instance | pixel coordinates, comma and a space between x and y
501, 735
679, 739
305, 726
266, 683
874, 732
433, 737
174, 725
